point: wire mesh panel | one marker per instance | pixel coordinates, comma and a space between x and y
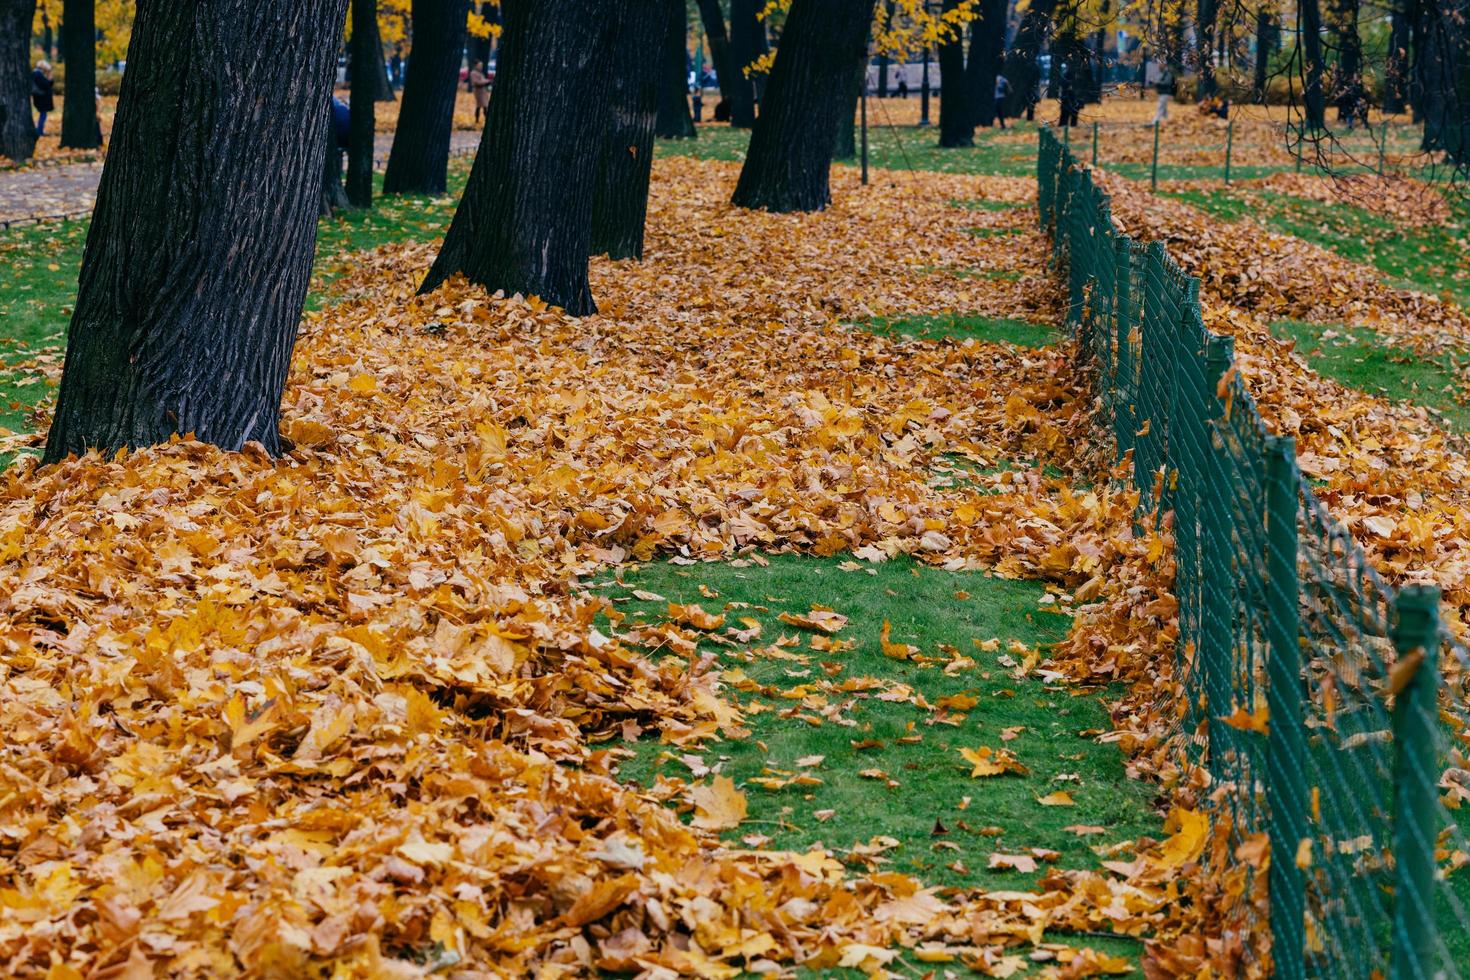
1313, 685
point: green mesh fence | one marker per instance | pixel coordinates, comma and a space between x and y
1313, 686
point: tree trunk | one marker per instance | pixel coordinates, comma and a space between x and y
1446, 81
17, 127
956, 121
1348, 94
1396, 67
419, 160
987, 55
360, 142
719, 50
790, 156
200, 250
1265, 44
1314, 98
383, 90
747, 43
524, 224
620, 195
1022, 70
885, 59
672, 33
79, 45
1206, 14
844, 146
480, 47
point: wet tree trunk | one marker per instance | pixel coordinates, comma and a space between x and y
1265, 44
1314, 96
713, 19
360, 142
419, 160
1348, 93
987, 55
790, 155
747, 43
956, 119
1396, 67
1206, 13
79, 48
200, 250
524, 224
620, 196
17, 127
1021, 67
675, 122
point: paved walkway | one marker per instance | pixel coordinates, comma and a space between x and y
70, 190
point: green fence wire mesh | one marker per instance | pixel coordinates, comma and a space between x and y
1335, 745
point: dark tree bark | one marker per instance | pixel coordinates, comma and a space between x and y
883, 61
713, 19
790, 156
79, 47
620, 196
1314, 97
987, 56
675, 122
1396, 65
1445, 77
747, 43
524, 224
360, 143
956, 120
1347, 88
419, 160
199, 255
47, 38
844, 146
1021, 68
334, 195
383, 89
17, 127
480, 47
1265, 44
1206, 14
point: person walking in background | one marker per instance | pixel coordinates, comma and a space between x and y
480, 86
1164, 85
1002, 92
395, 67
1067, 96
42, 94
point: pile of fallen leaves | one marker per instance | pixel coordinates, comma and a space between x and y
349, 712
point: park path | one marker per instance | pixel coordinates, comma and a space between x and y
70, 190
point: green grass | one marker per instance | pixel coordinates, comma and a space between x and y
994, 330
39, 266
1359, 359
945, 823
1428, 256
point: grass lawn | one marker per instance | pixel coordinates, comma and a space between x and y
1431, 257
1359, 359
861, 752
39, 266
961, 326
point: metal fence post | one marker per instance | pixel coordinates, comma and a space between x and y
1212, 556
1124, 306
1417, 811
1229, 144
1286, 740
1094, 142
1153, 181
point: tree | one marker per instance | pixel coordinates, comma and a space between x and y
17, 128
747, 45
1347, 82
790, 155
1445, 76
79, 48
844, 146
727, 73
987, 57
956, 120
1396, 66
674, 118
419, 160
1021, 67
620, 196
1266, 38
200, 250
1207, 12
1314, 104
525, 222
364, 51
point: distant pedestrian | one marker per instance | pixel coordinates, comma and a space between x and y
1164, 86
97, 103
903, 85
1067, 97
395, 67
341, 122
1002, 92
42, 97
480, 85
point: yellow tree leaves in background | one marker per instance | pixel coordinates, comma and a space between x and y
114, 27
908, 28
